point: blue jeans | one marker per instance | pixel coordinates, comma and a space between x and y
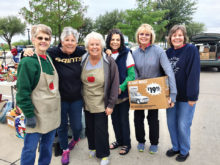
30, 146
120, 122
73, 111
179, 120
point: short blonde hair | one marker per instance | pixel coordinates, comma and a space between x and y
148, 28
36, 29
173, 30
94, 35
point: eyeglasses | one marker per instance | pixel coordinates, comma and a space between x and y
145, 34
43, 38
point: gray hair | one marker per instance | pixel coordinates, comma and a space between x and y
94, 35
69, 31
35, 29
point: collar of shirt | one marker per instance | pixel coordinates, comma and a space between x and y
43, 56
146, 45
114, 52
181, 46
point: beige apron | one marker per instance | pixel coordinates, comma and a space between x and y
46, 102
93, 88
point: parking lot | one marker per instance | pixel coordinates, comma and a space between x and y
205, 148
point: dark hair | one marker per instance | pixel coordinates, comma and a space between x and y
109, 37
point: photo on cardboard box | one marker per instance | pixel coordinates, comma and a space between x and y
149, 93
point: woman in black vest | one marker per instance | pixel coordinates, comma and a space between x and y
120, 115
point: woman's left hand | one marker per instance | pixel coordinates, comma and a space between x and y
108, 52
108, 111
119, 91
191, 103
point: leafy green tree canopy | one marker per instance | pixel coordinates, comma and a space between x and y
86, 28
55, 13
9, 27
180, 11
194, 28
108, 21
144, 13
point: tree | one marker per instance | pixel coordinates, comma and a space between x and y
21, 42
9, 27
85, 29
108, 21
144, 13
180, 11
194, 28
55, 13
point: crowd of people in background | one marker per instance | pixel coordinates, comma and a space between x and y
62, 82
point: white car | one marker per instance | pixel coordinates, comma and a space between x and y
137, 98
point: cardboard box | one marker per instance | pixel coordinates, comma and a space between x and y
204, 56
10, 121
149, 93
212, 55
206, 50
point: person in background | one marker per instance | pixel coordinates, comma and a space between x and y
39, 98
185, 61
67, 59
150, 62
120, 115
100, 92
14, 52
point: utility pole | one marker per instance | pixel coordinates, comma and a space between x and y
28, 30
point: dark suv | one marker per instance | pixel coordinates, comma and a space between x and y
208, 45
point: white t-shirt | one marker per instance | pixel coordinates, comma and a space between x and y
129, 62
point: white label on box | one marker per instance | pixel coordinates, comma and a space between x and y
10, 122
133, 89
154, 89
201, 48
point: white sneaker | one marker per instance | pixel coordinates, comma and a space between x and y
92, 153
105, 161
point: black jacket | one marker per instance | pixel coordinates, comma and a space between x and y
69, 71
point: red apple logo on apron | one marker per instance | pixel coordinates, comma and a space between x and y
51, 86
91, 79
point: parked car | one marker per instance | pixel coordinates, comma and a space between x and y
137, 98
208, 45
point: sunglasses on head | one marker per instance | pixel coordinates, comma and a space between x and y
43, 38
145, 34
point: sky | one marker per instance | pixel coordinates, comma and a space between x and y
207, 11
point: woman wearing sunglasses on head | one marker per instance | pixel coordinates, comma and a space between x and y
39, 98
150, 61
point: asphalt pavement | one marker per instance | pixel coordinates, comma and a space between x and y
205, 137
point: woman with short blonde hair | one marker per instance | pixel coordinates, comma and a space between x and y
150, 62
147, 28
